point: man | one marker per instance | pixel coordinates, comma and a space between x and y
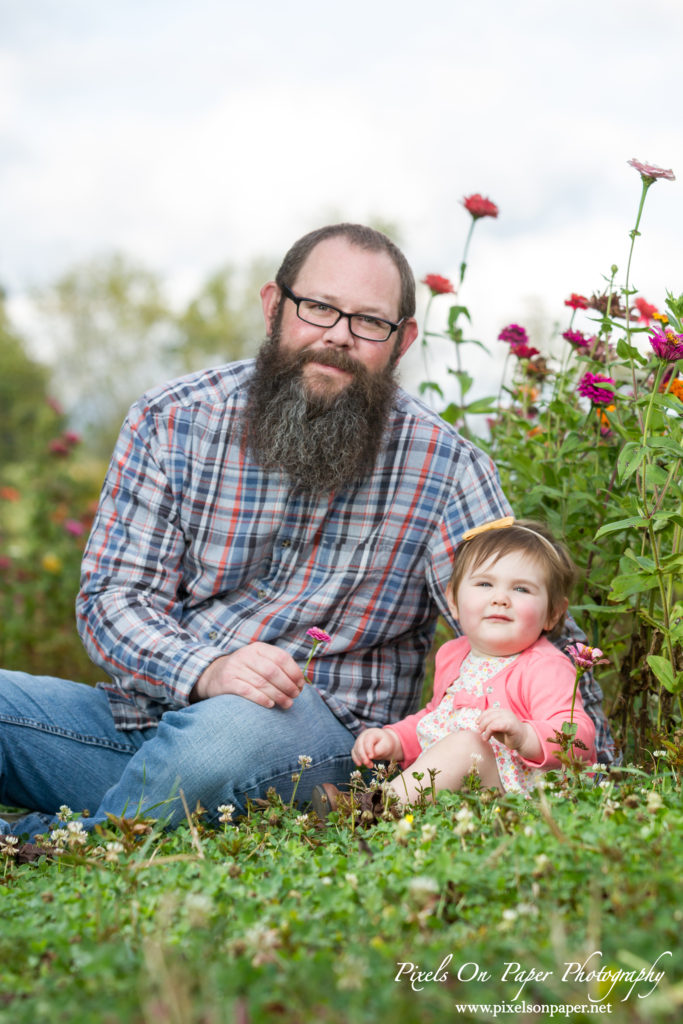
244, 505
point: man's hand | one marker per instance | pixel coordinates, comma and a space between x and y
504, 726
376, 745
259, 672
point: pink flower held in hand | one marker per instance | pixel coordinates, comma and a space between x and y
592, 385
479, 206
586, 657
651, 171
319, 635
576, 301
666, 345
438, 285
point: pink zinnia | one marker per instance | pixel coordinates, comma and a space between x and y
514, 335
666, 345
576, 301
584, 656
479, 206
319, 635
592, 386
576, 338
74, 527
438, 285
652, 171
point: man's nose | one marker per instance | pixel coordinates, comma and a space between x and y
340, 333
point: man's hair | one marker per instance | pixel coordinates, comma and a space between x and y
526, 537
364, 238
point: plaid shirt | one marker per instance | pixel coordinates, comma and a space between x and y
196, 551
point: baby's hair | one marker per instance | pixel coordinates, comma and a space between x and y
533, 539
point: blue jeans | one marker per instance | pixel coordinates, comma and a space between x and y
58, 745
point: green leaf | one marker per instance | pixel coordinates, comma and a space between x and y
632, 583
481, 405
464, 379
666, 444
626, 351
621, 524
631, 457
430, 385
664, 672
571, 442
455, 312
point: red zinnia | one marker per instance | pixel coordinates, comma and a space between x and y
479, 206
576, 301
646, 309
592, 385
524, 351
438, 285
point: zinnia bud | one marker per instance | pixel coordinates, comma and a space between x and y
479, 206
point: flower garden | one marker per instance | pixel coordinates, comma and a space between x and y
471, 907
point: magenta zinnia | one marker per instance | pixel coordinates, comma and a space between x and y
666, 344
318, 636
593, 386
652, 171
514, 335
577, 338
438, 285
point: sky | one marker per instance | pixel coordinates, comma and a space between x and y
190, 135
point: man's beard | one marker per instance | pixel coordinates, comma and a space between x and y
322, 442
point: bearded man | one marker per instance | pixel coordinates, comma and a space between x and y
243, 505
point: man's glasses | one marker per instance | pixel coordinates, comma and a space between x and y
361, 325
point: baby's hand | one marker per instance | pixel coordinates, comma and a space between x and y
504, 726
376, 745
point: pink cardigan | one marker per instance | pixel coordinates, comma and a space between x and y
537, 686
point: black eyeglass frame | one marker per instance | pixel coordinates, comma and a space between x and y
298, 299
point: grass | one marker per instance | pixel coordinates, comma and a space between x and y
283, 918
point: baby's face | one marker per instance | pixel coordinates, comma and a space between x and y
502, 606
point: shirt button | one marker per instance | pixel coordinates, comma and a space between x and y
489, 689
286, 543
213, 634
261, 593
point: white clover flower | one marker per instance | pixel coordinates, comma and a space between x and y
611, 807
356, 775
509, 914
305, 761
301, 819
659, 753
403, 827
528, 831
326, 880
351, 879
428, 832
112, 851
464, 821
198, 907
422, 888
226, 812
654, 801
64, 813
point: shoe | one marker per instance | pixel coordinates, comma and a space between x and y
368, 808
325, 799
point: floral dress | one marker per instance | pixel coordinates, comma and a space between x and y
475, 671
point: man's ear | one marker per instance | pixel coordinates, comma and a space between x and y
270, 301
559, 612
409, 332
